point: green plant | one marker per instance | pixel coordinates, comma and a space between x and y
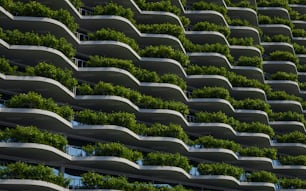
293, 160
292, 137
114, 9
244, 41
77, 3
284, 55
262, 176
249, 61
164, 28
292, 183
277, 38
15, 37
220, 169
165, 52
112, 149
201, 5
109, 34
167, 159
20, 170
34, 8
284, 76
211, 142
298, 32
263, 19
207, 26
211, 92
287, 116
35, 100
259, 152
299, 49
248, 103
48, 70
6, 68
31, 134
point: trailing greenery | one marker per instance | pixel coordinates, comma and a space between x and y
276, 38
92, 180
298, 32
282, 95
6, 68
220, 169
241, 3
272, 3
31, 134
164, 28
114, 9
50, 71
292, 137
299, 49
202, 5
287, 116
129, 121
220, 117
112, 149
235, 79
164, 5
20, 170
15, 37
249, 61
293, 160
167, 159
35, 100
102, 88
109, 34
77, 3
262, 176
163, 51
284, 56
292, 183
284, 76
140, 73
207, 26
244, 41
211, 142
211, 92
34, 8
263, 19
248, 103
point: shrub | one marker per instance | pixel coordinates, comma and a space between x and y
31, 134
287, 116
263, 19
293, 160
244, 41
249, 61
298, 32
6, 68
220, 169
284, 76
299, 49
211, 92
114, 9
165, 52
259, 152
109, 34
164, 28
262, 176
20, 170
282, 95
211, 142
207, 26
277, 38
167, 159
112, 149
292, 137
292, 183
201, 5
248, 103
15, 37
35, 100
34, 8
284, 55
77, 3
48, 70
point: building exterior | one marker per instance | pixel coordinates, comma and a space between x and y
152, 95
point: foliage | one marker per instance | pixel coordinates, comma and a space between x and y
284, 76
282, 95
35, 100
6, 68
287, 116
140, 73
277, 38
20, 170
114, 9
34, 8
248, 103
202, 5
163, 51
284, 55
259, 152
299, 49
207, 26
292, 183
128, 120
15, 37
292, 137
31, 134
211, 142
164, 28
211, 92
50, 71
77, 3
249, 61
109, 34
263, 19
112, 149
137, 98
243, 41
298, 32
262, 176
220, 169
167, 159
293, 160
